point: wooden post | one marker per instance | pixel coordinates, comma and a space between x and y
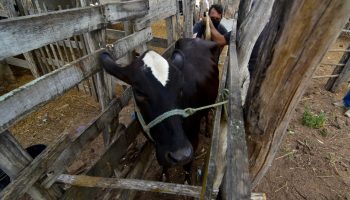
230, 8
292, 51
28, 56
244, 8
13, 159
247, 35
92, 39
236, 183
188, 17
170, 29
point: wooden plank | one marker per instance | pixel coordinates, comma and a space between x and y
326, 76
216, 156
53, 62
23, 34
133, 184
144, 161
17, 62
3, 13
13, 159
338, 70
188, 6
237, 180
158, 9
47, 87
132, 41
159, 42
249, 32
85, 136
115, 34
333, 64
338, 50
28, 176
343, 76
170, 29
244, 8
107, 162
275, 90
130, 184
169, 51
126, 10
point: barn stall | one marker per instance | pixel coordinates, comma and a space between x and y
264, 128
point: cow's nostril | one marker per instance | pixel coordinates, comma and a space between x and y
180, 156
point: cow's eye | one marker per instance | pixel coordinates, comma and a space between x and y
140, 96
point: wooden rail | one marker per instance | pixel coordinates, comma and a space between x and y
45, 88
35, 31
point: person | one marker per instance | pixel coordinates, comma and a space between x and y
215, 15
345, 103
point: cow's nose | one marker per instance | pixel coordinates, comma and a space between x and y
181, 156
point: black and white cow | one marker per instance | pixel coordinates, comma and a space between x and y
188, 79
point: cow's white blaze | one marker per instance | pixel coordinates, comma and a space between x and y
158, 65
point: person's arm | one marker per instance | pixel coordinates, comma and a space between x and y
217, 36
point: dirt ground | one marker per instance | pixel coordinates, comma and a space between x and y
314, 163
311, 163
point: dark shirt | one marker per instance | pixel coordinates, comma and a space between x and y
199, 28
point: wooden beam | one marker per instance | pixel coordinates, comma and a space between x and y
337, 70
216, 161
84, 137
169, 51
29, 175
244, 8
66, 148
17, 62
13, 159
133, 184
115, 34
188, 6
132, 41
130, 184
126, 10
237, 182
292, 51
159, 42
23, 34
144, 161
170, 29
106, 164
47, 87
247, 35
158, 10
343, 76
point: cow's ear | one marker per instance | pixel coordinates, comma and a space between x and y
178, 59
113, 68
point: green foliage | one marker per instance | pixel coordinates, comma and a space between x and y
313, 120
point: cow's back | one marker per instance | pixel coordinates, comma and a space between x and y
200, 71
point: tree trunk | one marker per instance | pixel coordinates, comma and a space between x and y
299, 34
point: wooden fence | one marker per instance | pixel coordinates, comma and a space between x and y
86, 26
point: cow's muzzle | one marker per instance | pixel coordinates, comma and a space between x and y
181, 156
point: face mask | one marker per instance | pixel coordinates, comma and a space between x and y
215, 22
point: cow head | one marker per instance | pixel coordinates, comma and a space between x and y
157, 88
